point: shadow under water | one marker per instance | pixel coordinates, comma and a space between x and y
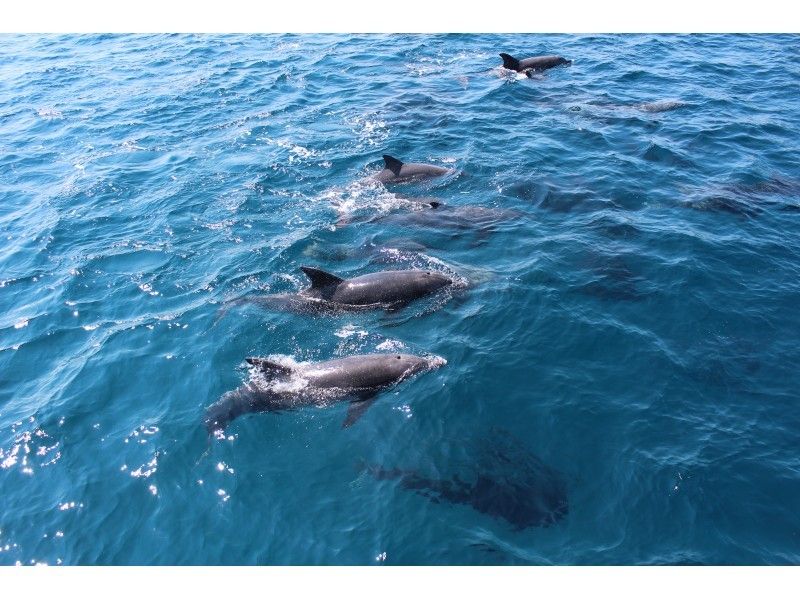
750, 199
504, 481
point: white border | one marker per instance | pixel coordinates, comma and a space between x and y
248, 16
405, 582
388, 16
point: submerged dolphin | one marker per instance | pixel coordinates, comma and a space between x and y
328, 293
503, 480
281, 386
431, 213
371, 250
535, 63
396, 171
660, 106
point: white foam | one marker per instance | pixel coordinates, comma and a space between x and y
390, 345
49, 113
349, 330
364, 194
370, 129
435, 361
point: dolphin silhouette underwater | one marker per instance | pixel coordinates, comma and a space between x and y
329, 294
435, 214
397, 171
431, 212
535, 64
504, 481
283, 386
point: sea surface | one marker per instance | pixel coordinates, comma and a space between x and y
626, 229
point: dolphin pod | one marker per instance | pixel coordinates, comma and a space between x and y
358, 379
278, 385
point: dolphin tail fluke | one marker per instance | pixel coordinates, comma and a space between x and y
361, 466
221, 311
319, 278
227, 306
510, 62
219, 415
392, 163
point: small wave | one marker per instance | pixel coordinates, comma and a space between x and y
390, 345
370, 129
351, 330
49, 113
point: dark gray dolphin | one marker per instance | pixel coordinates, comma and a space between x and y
535, 63
386, 287
328, 293
396, 171
280, 386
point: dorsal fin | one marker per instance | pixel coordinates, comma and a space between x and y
510, 62
392, 164
319, 278
268, 367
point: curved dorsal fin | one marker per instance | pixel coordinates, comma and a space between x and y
392, 164
269, 368
510, 62
319, 278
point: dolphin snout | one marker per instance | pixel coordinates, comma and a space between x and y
434, 362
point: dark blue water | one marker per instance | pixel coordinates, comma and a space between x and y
631, 329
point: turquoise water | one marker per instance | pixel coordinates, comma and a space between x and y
630, 326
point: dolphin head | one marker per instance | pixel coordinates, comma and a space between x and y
404, 365
435, 280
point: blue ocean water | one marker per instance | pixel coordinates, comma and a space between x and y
628, 227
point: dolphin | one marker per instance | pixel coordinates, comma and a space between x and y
396, 171
660, 106
522, 507
431, 213
510, 485
283, 386
367, 250
328, 293
751, 199
535, 63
